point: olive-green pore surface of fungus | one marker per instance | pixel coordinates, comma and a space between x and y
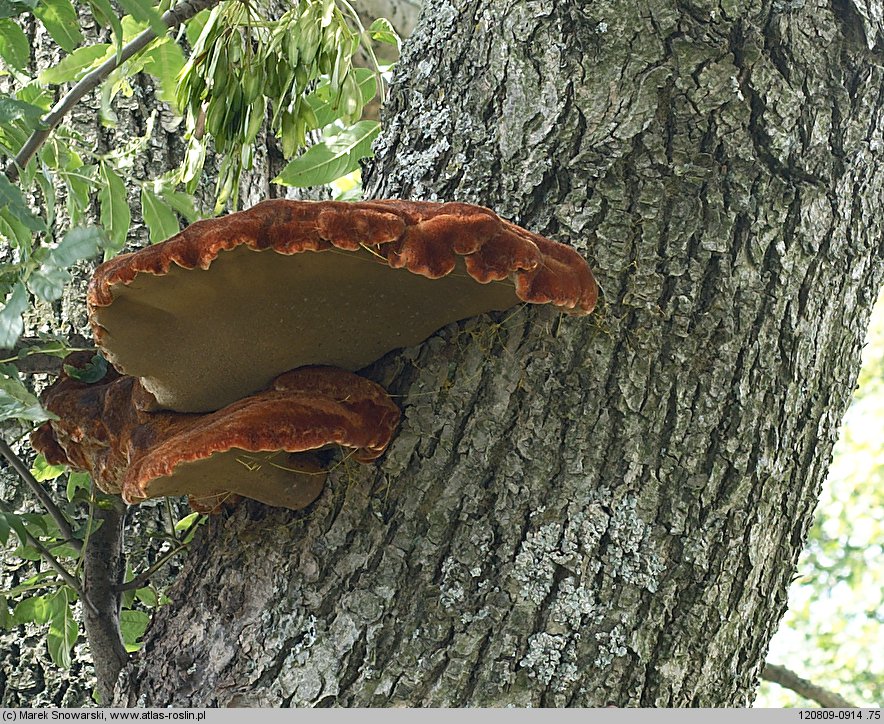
219, 310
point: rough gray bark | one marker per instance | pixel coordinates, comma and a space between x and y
581, 511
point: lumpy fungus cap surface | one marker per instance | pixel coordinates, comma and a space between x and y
217, 311
258, 447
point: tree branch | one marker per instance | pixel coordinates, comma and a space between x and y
144, 578
40, 492
790, 680
103, 567
172, 18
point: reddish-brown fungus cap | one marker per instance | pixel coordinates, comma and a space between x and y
254, 448
217, 311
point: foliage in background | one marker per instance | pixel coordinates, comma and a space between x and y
833, 632
234, 73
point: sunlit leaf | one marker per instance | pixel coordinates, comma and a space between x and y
147, 596
158, 215
144, 11
115, 214
164, 61
14, 46
382, 31
42, 470
74, 66
325, 102
60, 19
335, 156
34, 609
186, 522
11, 324
133, 624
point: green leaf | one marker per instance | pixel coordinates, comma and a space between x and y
63, 629
15, 522
11, 9
37, 525
36, 95
79, 185
28, 553
332, 158
14, 46
105, 15
91, 373
147, 596
49, 344
382, 31
6, 620
61, 21
183, 204
11, 324
42, 470
12, 109
133, 624
77, 481
4, 533
144, 12
45, 183
74, 66
186, 522
47, 283
164, 62
115, 215
195, 26
81, 242
158, 215
325, 103
11, 198
34, 609
14, 231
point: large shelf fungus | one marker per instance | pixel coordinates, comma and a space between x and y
261, 447
216, 312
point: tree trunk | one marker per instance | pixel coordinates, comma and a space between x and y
595, 511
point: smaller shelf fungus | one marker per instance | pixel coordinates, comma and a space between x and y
216, 312
263, 446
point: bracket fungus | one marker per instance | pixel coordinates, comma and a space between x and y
261, 447
216, 312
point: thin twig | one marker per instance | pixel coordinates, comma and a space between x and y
172, 18
60, 570
39, 491
790, 680
142, 580
27, 361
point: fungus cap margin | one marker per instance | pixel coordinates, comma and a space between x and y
256, 445
215, 312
